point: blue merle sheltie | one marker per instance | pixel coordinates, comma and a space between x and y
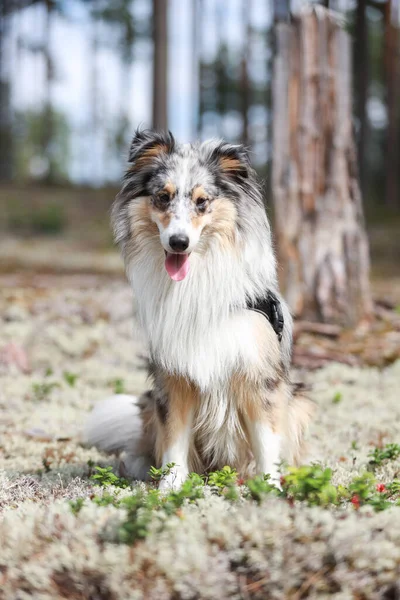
193, 231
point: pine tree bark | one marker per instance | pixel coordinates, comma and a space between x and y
322, 244
6, 133
245, 77
48, 117
392, 73
361, 71
160, 64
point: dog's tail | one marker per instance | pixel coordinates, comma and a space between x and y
124, 424
300, 413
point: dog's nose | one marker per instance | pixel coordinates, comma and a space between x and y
179, 242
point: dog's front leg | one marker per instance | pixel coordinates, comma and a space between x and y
266, 445
175, 433
262, 415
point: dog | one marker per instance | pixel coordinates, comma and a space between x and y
196, 242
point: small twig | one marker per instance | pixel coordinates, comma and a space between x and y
255, 585
305, 586
313, 360
326, 329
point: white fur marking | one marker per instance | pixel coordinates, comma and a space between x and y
266, 448
177, 453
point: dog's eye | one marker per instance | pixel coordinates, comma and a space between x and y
163, 199
201, 204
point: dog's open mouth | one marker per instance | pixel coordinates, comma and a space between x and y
177, 265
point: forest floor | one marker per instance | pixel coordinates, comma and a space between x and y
69, 530
66, 342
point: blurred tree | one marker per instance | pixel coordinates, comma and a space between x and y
95, 124
117, 15
245, 76
392, 72
30, 161
114, 25
197, 9
6, 133
319, 216
160, 64
281, 10
47, 128
361, 75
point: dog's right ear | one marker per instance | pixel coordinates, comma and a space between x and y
149, 145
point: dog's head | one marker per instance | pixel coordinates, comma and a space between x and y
186, 193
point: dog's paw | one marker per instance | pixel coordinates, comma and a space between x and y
173, 480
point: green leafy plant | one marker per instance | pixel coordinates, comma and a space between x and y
379, 455
107, 500
41, 391
140, 508
190, 491
338, 397
158, 474
70, 378
260, 487
365, 490
311, 484
105, 477
362, 485
393, 488
223, 478
224, 483
118, 386
76, 505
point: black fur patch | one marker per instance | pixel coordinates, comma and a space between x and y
270, 307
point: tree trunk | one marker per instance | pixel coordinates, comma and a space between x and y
361, 71
6, 137
196, 62
160, 64
245, 79
321, 236
48, 123
94, 123
392, 72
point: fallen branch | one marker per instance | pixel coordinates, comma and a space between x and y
326, 329
307, 359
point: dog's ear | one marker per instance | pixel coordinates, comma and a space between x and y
232, 160
149, 145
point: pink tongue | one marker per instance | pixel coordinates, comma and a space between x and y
177, 266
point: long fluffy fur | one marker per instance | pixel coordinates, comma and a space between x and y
200, 329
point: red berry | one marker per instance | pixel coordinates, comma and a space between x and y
355, 500
381, 488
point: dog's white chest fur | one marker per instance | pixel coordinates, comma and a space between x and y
198, 328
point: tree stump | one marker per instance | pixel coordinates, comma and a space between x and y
322, 243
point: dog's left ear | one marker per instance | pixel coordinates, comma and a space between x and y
232, 160
148, 145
